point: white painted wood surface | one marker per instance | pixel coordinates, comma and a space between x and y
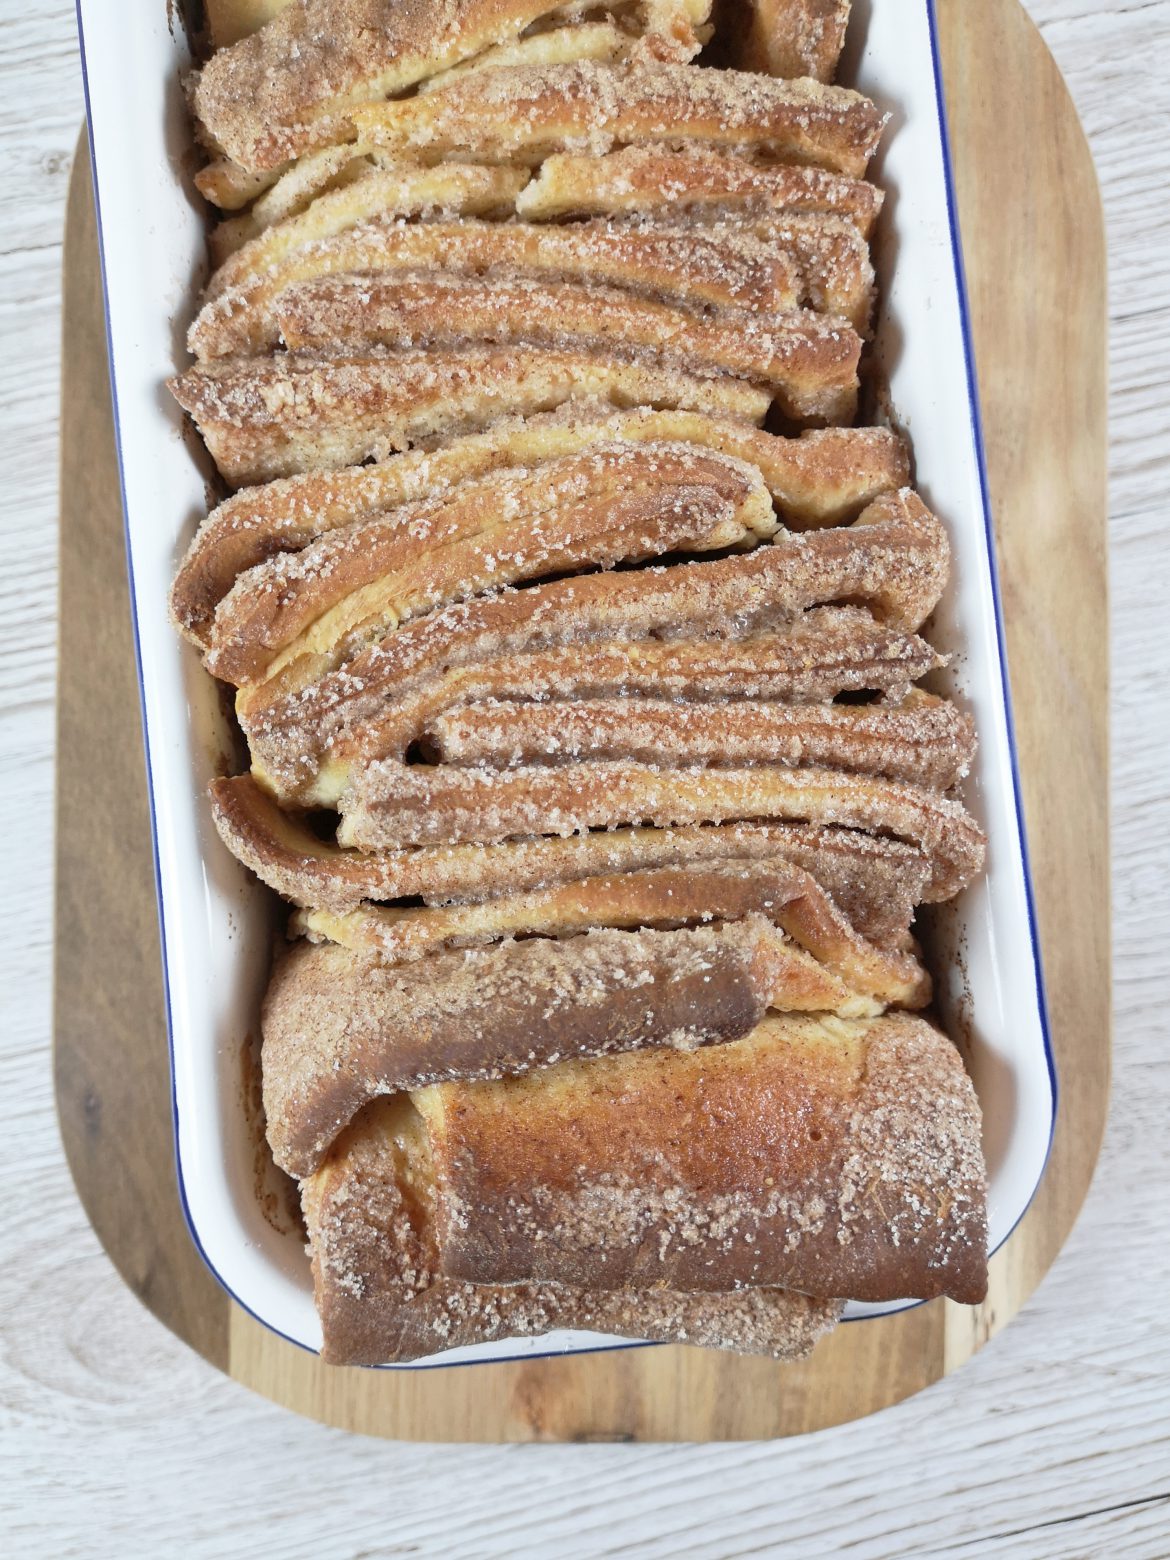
1055, 1442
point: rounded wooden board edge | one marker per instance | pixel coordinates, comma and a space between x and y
118, 1140
115, 1119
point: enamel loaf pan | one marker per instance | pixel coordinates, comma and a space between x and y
217, 923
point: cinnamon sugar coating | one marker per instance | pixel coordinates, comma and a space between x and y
287, 88
405, 312
523, 114
389, 804
661, 898
821, 478
342, 192
657, 178
895, 556
381, 1297
817, 1154
340, 1028
921, 739
274, 417
307, 746
877, 882
728, 268
610, 504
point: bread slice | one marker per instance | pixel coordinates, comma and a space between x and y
276, 417
661, 898
876, 881
610, 504
831, 1154
341, 1028
920, 739
382, 1298
636, 180
824, 477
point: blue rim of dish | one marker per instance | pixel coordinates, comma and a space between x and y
989, 534
997, 596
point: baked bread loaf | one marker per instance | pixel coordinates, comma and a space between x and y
660, 1193
383, 1298
576, 637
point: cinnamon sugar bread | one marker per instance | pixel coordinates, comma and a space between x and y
868, 1131
664, 897
341, 1027
822, 478
290, 86
576, 640
382, 1296
920, 738
274, 417
876, 881
815, 1153
786, 37
652, 178
523, 114
727, 268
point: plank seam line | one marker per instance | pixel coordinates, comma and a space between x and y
1053, 1522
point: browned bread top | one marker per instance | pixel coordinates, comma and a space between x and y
381, 1297
287, 87
876, 881
341, 1027
836, 1157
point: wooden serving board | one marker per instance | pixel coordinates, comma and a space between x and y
1033, 234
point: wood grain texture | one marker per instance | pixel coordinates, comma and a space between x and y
1053, 1442
1020, 216
112, 1077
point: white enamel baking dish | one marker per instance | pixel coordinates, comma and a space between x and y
217, 922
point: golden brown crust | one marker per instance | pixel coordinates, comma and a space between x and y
389, 805
644, 179
923, 740
728, 268
610, 504
895, 556
661, 898
287, 88
824, 477
264, 418
340, 1029
524, 114
346, 192
382, 1299
403, 312
876, 882
787, 37
817, 1154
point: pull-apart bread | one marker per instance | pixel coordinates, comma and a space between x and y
577, 638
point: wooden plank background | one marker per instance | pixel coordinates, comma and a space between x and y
1053, 1442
